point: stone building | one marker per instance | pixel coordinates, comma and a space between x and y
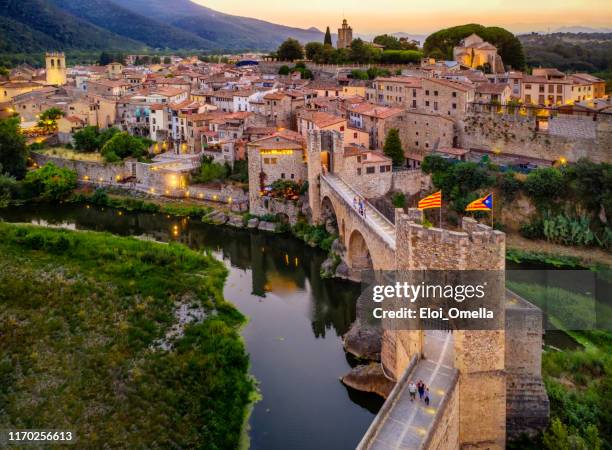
475, 52
55, 63
272, 158
446, 97
345, 35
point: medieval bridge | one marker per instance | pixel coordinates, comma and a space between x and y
370, 241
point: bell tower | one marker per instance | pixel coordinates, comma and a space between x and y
55, 63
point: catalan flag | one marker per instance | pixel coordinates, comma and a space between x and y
481, 204
431, 201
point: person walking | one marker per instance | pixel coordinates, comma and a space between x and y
412, 389
421, 389
355, 203
427, 396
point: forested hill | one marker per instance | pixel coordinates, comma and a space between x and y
28, 26
589, 52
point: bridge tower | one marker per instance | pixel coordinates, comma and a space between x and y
479, 355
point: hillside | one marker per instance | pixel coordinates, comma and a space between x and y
29, 26
591, 52
124, 22
38, 25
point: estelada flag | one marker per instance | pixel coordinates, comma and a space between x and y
481, 204
431, 201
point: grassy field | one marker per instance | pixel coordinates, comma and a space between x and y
90, 340
66, 153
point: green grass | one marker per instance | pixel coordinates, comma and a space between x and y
80, 315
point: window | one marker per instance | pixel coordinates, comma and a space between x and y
541, 86
436, 93
454, 105
435, 106
414, 92
292, 176
370, 169
551, 88
359, 171
559, 89
426, 144
417, 133
527, 86
342, 128
454, 94
416, 143
414, 103
266, 160
427, 103
273, 160
427, 92
354, 135
282, 175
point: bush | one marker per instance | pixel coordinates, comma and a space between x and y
509, 186
123, 145
545, 185
211, 171
398, 199
50, 182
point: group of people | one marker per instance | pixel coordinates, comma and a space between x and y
359, 205
421, 388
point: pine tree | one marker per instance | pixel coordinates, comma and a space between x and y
328, 39
393, 147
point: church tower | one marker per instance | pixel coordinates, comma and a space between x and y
345, 35
55, 63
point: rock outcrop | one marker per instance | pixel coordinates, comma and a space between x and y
369, 378
363, 341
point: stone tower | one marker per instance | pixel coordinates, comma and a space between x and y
55, 63
345, 35
479, 354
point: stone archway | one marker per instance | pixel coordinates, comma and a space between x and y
359, 257
329, 217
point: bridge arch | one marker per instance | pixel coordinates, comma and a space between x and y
330, 217
359, 256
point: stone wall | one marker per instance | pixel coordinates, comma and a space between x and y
444, 434
410, 182
268, 205
527, 406
570, 137
88, 171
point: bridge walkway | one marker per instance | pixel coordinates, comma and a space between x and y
374, 218
407, 424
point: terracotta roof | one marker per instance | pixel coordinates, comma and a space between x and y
491, 88
321, 119
459, 85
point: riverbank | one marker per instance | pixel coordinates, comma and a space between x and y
124, 342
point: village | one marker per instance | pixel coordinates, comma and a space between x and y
189, 111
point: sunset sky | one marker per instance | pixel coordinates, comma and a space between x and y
375, 16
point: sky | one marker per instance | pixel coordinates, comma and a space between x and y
422, 16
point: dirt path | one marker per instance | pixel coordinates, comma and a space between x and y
589, 256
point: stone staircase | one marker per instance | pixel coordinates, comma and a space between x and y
374, 218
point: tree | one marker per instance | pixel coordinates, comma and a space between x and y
313, 50
123, 145
545, 184
211, 171
388, 41
48, 119
50, 182
441, 42
167, 60
105, 59
13, 151
328, 39
156, 60
87, 139
393, 147
290, 50
362, 53
284, 70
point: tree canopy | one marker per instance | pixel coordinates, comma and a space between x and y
91, 139
48, 119
388, 41
328, 39
441, 42
13, 151
124, 145
393, 147
290, 50
51, 182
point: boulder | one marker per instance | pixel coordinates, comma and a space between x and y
369, 378
253, 223
328, 268
236, 222
216, 218
363, 341
266, 226
343, 270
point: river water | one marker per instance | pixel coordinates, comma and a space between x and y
296, 321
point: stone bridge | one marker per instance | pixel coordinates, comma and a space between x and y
369, 240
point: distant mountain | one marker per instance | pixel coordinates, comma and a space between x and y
581, 29
227, 31
37, 25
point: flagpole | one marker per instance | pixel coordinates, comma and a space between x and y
440, 216
492, 209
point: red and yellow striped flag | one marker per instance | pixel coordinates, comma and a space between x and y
431, 201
